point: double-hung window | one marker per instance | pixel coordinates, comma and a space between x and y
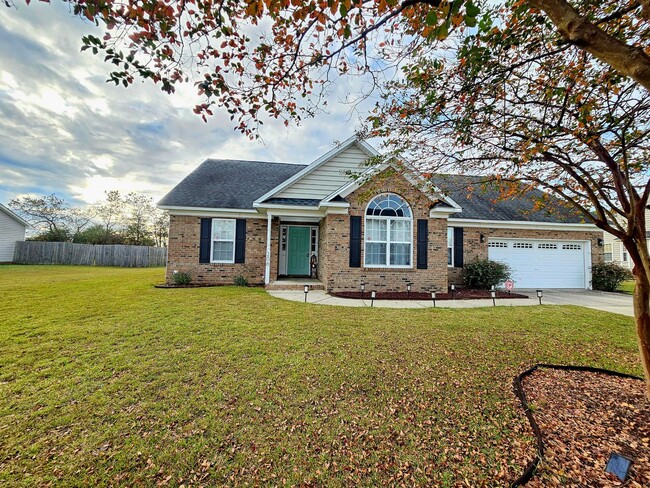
388, 233
450, 246
223, 241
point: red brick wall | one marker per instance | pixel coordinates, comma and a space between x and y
473, 249
335, 231
183, 253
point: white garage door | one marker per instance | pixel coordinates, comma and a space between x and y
542, 264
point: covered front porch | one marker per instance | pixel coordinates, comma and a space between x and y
294, 244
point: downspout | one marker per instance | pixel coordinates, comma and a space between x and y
267, 267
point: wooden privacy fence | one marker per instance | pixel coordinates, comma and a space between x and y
34, 252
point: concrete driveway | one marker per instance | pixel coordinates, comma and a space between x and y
609, 302
599, 300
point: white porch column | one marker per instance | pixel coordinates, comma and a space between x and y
267, 266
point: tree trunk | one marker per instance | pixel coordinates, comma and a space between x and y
628, 60
637, 247
642, 319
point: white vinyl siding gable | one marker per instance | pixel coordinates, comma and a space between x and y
330, 176
10, 232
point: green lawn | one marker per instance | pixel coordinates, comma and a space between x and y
107, 380
627, 287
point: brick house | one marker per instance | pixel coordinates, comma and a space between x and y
270, 221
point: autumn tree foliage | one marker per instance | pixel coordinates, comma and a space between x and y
518, 104
274, 58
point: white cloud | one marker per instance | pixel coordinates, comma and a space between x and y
65, 130
93, 187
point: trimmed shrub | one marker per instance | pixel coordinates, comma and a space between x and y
240, 280
607, 276
484, 274
181, 278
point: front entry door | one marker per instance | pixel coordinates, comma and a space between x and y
298, 251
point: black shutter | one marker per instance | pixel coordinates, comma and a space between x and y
423, 241
355, 242
240, 241
206, 234
458, 247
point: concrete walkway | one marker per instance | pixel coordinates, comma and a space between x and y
609, 302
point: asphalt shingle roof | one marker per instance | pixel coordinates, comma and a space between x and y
303, 202
481, 202
228, 183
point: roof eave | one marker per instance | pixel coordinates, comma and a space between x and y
172, 208
524, 224
290, 207
13, 216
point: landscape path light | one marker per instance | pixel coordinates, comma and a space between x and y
408, 290
306, 291
540, 294
453, 291
618, 465
433, 297
373, 295
493, 293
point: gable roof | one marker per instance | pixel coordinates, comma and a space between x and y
284, 190
483, 202
15, 217
228, 183
410, 174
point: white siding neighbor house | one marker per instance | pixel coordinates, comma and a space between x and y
12, 229
614, 250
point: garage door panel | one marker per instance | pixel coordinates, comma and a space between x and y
541, 264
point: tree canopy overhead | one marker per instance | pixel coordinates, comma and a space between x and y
518, 104
258, 58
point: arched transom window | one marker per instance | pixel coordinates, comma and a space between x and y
388, 232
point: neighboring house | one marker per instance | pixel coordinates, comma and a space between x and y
614, 250
12, 229
265, 221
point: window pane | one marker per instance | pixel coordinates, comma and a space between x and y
400, 254
223, 251
450, 253
388, 205
376, 230
375, 253
223, 230
400, 231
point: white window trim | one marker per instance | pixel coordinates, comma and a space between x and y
388, 242
234, 240
450, 245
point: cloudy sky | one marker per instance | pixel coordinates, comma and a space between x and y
64, 130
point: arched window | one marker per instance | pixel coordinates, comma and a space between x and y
388, 232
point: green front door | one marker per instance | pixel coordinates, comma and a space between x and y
298, 251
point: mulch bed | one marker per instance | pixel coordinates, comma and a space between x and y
464, 294
583, 417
